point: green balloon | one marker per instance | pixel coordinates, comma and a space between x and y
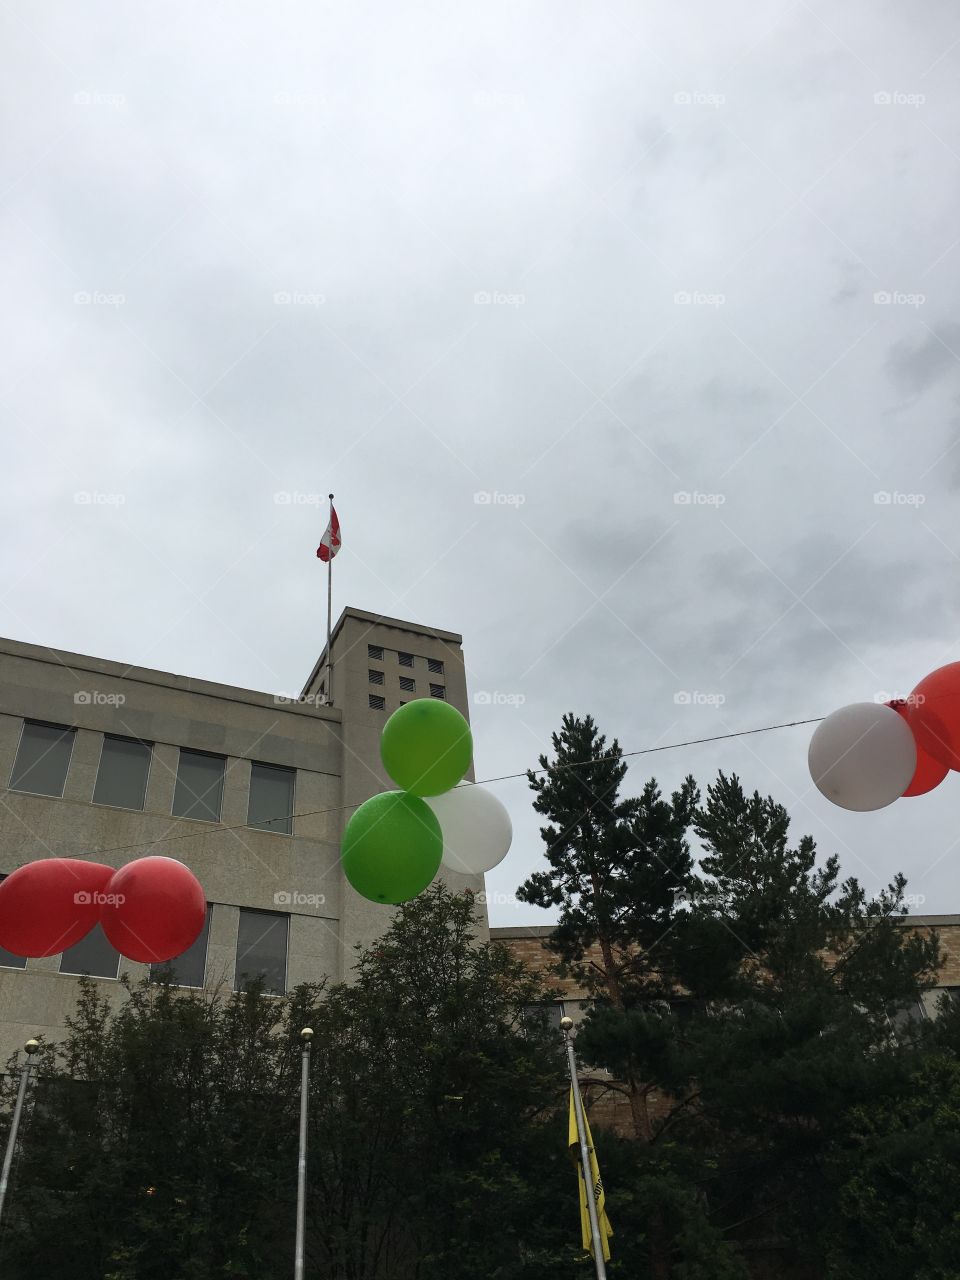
392, 847
426, 747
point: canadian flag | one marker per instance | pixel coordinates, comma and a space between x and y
330, 542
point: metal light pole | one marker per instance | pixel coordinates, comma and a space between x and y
25, 1073
566, 1026
306, 1035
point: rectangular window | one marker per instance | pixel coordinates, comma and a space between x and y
435, 665
271, 798
903, 1015
375, 677
7, 959
438, 691
262, 950
408, 684
199, 792
93, 955
122, 775
375, 651
42, 758
405, 659
548, 1013
377, 702
931, 999
189, 969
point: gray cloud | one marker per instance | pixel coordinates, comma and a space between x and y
915, 365
411, 255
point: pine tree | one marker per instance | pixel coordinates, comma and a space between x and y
619, 869
751, 991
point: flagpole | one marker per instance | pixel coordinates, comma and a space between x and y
330, 609
25, 1072
306, 1035
566, 1025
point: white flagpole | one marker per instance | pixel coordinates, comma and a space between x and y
330, 608
306, 1035
566, 1025
25, 1072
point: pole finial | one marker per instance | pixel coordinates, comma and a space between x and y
330, 496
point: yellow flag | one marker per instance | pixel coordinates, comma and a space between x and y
599, 1194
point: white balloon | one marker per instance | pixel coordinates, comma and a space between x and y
477, 830
863, 756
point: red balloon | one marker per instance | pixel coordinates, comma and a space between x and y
154, 911
49, 905
929, 772
933, 713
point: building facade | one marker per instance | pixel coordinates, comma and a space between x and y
251, 790
530, 944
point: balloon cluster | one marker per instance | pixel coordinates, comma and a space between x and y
395, 842
150, 910
869, 754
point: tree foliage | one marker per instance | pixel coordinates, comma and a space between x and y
161, 1141
786, 1117
742, 999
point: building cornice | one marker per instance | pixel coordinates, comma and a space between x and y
79, 662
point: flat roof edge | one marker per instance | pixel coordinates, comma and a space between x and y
377, 619
162, 679
538, 931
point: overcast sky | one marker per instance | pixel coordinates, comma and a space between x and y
581, 260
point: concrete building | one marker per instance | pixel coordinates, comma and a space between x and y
107, 762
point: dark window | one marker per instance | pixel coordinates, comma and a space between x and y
122, 776
42, 758
199, 790
262, 950
939, 998
375, 677
7, 959
903, 1015
92, 954
438, 691
188, 969
377, 702
405, 659
375, 651
408, 684
271, 798
435, 665
549, 1013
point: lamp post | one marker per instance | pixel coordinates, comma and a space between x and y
32, 1047
566, 1026
306, 1035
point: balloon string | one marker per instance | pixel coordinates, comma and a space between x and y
504, 777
